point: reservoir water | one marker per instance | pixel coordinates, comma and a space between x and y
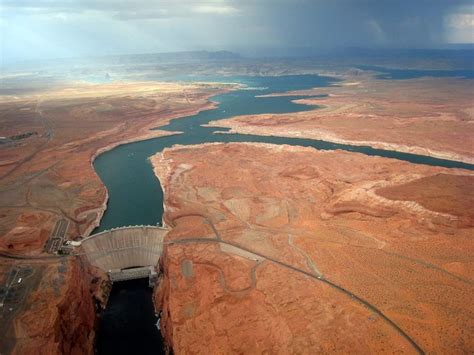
135, 195
127, 325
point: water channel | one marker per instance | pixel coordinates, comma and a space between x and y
136, 197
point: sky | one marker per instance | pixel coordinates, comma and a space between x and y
39, 29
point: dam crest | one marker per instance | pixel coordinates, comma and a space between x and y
125, 253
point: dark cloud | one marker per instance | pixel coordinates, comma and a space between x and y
358, 22
59, 27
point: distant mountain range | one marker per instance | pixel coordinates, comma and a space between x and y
190, 56
141, 58
453, 56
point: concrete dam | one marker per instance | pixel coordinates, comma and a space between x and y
125, 253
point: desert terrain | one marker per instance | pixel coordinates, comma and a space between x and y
272, 248
48, 188
280, 249
426, 116
236, 177
50, 140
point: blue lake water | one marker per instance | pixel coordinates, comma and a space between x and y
135, 195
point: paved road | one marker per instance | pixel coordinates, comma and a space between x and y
312, 276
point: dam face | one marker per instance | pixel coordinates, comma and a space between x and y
126, 253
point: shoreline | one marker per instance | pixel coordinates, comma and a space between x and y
236, 129
309, 98
149, 134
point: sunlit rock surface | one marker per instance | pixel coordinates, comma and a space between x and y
287, 249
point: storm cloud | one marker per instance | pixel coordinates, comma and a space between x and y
33, 29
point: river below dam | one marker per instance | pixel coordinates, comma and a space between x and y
128, 324
136, 197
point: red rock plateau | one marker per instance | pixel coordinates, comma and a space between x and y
279, 249
49, 140
429, 116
